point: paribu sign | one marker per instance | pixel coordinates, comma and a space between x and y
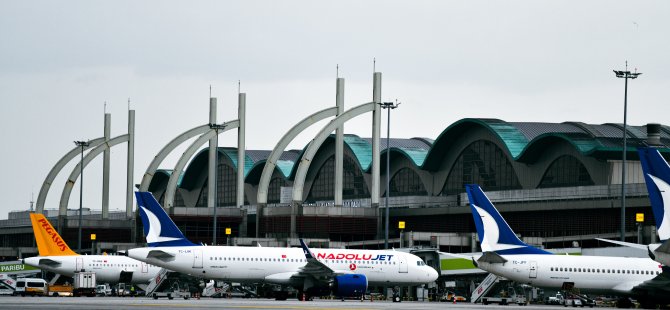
7, 268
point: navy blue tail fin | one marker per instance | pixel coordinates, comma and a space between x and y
494, 233
657, 177
159, 228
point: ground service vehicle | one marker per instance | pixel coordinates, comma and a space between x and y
84, 284
506, 297
31, 287
60, 290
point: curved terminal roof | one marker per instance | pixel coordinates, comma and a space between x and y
415, 149
523, 141
200, 160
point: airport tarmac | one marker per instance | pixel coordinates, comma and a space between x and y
74, 303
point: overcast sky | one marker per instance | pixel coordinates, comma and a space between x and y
543, 61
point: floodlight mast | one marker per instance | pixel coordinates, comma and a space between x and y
389, 106
624, 75
82, 145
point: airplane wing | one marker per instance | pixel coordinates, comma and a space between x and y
160, 254
460, 255
49, 262
627, 244
314, 267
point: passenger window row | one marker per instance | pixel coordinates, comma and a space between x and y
292, 260
257, 259
598, 270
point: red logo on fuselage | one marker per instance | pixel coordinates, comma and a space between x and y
352, 267
52, 233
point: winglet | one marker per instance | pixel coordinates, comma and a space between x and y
494, 232
49, 242
657, 177
306, 250
159, 229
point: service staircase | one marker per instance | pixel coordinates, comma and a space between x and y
480, 291
156, 283
7, 285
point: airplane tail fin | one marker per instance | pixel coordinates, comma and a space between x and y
49, 242
159, 229
657, 177
494, 233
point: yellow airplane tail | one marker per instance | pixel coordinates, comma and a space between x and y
49, 242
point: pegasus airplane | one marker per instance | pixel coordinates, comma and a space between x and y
57, 257
313, 272
507, 256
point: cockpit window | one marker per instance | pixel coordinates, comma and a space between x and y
420, 263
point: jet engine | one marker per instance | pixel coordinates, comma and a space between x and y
350, 285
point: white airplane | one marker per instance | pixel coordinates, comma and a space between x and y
56, 256
657, 177
507, 256
314, 272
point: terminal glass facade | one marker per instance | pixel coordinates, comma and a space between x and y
226, 186
566, 171
353, 186
483, 163
406, 182
274, 189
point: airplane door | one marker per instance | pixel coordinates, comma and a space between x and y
533, 270
402, 260
197, 258
80, 264
145, 267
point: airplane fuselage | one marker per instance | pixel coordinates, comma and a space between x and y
107, 268
277, 265
594, 274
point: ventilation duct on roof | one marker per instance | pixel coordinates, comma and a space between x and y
653, 134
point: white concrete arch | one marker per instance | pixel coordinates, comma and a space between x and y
165, 151
55, 170
315, 144
271, 161
74, 175
186, 156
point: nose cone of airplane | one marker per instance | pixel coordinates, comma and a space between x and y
432, 274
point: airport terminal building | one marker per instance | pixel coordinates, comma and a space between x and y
557, 184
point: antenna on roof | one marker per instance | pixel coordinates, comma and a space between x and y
104, 109
337, 70
32, 202
128, 103
239, 87
210, 90
374, 64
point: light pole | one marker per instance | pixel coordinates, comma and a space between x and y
82, 145
216, 128
389, 106
624, 75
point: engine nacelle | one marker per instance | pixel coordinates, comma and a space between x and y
350, 285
